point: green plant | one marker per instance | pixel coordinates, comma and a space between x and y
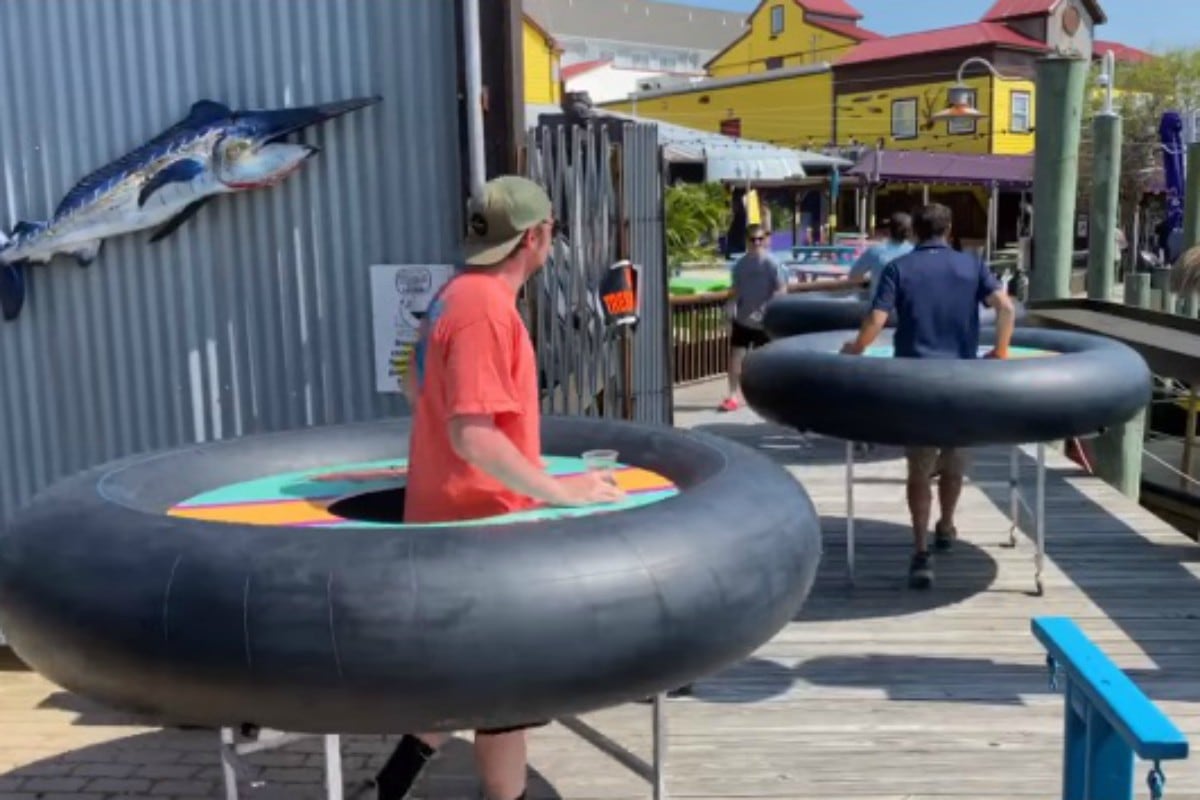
696, 213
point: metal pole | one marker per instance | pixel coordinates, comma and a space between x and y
1137, 289
1118, 450
1189, 439
660, 749
1106, 183
333, 767
1014, 498
1059, 113
1191, 203
850, 511
994, 222
1040, 517
474, 65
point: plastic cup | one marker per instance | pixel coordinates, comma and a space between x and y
603, 462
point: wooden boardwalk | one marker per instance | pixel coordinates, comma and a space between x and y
875, 692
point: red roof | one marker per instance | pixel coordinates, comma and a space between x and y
1122, 52
959, 37
847, 29
571, 70
1007, 9
834, 8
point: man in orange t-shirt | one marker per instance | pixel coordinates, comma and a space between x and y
475, 446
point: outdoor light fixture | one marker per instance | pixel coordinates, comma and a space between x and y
959, 96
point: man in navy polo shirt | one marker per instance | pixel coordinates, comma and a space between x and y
935, 292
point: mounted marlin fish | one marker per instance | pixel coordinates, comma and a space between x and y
213, 151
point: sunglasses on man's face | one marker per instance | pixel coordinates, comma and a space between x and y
758, 238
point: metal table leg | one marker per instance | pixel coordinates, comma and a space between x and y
1014, 494
228, 770
850, 511
1040, 518
659, 771
333, 767
233, 768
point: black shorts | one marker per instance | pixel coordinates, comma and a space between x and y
746, 338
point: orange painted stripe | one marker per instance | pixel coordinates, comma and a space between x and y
285, 512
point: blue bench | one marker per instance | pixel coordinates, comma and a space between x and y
1108, 720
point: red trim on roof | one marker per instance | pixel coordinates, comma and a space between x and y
847, 29
974, 34
833, 8
1011, 9
572, 70
1122, 52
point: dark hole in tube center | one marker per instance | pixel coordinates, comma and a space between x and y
385, 506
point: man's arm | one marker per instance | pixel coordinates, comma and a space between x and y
881, 308
479, 388
1006, 320
996, 298
781, 278
409, 382
477, 440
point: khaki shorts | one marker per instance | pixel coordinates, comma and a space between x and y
925, 462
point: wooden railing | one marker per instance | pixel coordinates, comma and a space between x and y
700, 329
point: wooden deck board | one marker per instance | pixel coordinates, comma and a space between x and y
876, 692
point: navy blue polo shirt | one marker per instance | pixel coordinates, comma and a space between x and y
936, 292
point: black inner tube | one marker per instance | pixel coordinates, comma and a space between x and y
389, 628
805, 383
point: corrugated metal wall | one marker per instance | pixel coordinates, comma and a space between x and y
642, 193
255, 316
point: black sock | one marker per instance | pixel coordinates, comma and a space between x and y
402, 768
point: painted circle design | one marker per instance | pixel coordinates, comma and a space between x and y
304, 498
887, 351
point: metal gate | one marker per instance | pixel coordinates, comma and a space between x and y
608, 201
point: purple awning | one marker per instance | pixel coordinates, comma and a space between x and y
916, 166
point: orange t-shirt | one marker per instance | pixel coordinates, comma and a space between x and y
473, 356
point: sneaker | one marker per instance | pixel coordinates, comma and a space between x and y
944, 536
920, 571
728, 404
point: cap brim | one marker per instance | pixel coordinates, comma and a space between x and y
484, 254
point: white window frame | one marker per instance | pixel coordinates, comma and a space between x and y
904, 102
777, 20
1012, 111
958, 127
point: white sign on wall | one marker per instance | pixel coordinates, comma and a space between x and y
400, 294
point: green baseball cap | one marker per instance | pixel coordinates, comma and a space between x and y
509, 206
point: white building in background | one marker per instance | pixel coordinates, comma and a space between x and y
637, 35
604, 81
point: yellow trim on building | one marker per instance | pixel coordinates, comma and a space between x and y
793, 110
778, 36
542, 60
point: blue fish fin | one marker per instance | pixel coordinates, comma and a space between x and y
12, 289
178, 172
26, 227
86, 254
204, 111
171, 225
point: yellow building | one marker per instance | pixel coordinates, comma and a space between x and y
888, 90
773, 83
804, 73
791, 33
761, 107
541, 64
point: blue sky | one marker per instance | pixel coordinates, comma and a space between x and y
1150, 24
